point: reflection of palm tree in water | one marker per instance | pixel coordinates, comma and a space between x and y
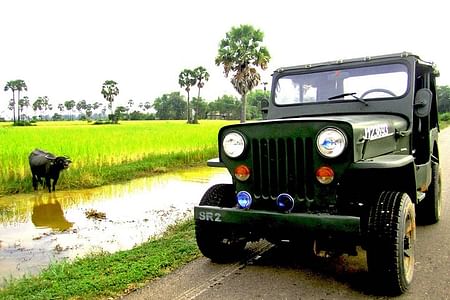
49, 213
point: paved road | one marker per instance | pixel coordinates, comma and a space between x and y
276, 272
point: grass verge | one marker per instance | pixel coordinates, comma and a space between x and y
106, 275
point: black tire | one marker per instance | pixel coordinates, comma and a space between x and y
429, 209
219, 242
391, 239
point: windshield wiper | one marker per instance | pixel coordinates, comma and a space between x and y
349, 94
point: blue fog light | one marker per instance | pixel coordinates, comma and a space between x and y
285, 202
244, 199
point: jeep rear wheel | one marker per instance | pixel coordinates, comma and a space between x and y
219, 242
429, 209
391, 239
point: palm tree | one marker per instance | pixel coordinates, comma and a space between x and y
69, 106
24, 102
11, 85
201, 75
96, 105
20, 86
240, 53
11, 106
109, 91
38, 105
187, 79
130, 105
80, 106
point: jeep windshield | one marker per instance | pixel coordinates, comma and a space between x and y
350, 84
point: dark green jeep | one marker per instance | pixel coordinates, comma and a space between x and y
347, 155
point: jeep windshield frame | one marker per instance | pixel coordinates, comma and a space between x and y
362, 83
376, 102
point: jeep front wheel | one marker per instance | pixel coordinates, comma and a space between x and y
217, 241
391, 239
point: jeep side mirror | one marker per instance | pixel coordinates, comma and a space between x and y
264, 108
422, 102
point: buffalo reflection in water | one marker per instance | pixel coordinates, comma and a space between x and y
49, 213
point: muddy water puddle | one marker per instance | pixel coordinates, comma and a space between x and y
38, 228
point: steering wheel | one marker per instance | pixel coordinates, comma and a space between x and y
377, 91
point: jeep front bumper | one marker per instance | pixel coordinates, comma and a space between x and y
267, 221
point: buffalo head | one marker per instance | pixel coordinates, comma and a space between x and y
61, 162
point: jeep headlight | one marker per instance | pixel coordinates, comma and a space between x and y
331, 142
233, 144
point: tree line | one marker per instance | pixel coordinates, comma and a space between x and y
443, 94
240, 53
170, 106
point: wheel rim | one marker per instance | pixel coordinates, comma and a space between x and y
409, 241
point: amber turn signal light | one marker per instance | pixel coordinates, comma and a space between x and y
242, 172
325, 175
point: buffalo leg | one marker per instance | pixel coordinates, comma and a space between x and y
47, 182
35, 182
55, 180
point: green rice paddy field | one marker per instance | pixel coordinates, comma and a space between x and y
102, 154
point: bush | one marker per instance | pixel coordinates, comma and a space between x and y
445, 117
23, 123
103, 122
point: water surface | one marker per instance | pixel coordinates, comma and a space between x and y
38, 228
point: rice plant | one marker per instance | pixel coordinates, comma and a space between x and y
104, 153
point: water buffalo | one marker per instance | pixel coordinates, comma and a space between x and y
46, 165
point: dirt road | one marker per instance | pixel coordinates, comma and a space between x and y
277, 273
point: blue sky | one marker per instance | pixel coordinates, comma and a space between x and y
66, 49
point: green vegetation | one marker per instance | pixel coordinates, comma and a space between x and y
109, 275
444, 120
18, 86
186, 80
106, 153
109, 91
240, 53
443, 94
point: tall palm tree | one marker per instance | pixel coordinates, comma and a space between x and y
20, 86
11, 85
240, 53
109, 91
187, 79
201, 75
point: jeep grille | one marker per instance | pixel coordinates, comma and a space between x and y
283, 166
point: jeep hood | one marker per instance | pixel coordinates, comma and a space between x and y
369, 135
374, 135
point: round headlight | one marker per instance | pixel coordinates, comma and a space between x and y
331, 142
233, 144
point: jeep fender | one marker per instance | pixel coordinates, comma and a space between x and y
388, 172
